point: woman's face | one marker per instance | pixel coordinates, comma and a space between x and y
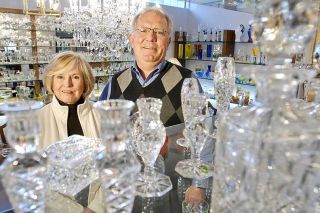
68, 86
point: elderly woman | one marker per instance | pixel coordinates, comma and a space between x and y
69, 79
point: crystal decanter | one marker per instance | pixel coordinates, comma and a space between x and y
149, 135
118, 167
23, 171
267, 155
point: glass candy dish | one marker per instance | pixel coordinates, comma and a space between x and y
71, 164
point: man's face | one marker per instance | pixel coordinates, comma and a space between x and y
150, 46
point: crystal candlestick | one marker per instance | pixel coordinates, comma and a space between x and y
23, 172
118, 167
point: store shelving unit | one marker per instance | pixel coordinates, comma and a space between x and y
227, 47
39, 45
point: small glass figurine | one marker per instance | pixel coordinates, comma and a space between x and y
250, 33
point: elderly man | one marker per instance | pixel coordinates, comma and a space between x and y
151, 75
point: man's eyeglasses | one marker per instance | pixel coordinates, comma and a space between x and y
157, 31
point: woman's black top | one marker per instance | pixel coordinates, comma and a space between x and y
73, 123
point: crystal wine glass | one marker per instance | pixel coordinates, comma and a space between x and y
149, 135
198, 134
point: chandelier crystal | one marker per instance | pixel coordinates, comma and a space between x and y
101, 25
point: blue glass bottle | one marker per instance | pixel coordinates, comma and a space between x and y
209, 50
208, 72
200, 53
250, 33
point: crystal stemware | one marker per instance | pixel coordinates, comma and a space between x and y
198, 134
192, 103
23, 171
118, 166
184, 141
149, 135
267, 162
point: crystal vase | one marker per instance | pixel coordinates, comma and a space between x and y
149, 135
118, 167
23, 171
224, 81
192, 104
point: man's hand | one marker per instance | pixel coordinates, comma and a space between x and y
165, 148
87, 210
194, 195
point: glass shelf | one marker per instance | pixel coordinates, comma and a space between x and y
108, 61
24, 80
215, 60
237, 83
18, 46
20, 80
209, 42
46, 62
17, 63
28, 29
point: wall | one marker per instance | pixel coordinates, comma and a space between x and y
207, 16
216, 17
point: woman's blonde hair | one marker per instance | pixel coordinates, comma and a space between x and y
66, 61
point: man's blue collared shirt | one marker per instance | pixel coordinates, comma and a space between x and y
151, 77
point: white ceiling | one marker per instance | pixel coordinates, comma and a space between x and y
240, 5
